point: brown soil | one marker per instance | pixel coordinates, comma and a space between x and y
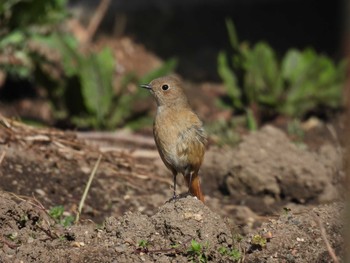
246, 189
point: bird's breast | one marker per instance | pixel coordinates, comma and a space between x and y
180, 138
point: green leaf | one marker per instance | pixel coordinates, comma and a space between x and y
235, 254
258, 240
223, 250
301, 82
262, 78
252, 124
195, 246
67, 221
312, 81
16, 37
96, 74
290, 63
230, 80
232, 33
56, 212
68, 47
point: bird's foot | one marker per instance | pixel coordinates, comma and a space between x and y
174, 198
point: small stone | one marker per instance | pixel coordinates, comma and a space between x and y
197, 217
85, 169
40, 192
119, 249
77, 244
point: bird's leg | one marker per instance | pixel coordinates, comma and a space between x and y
174, 187
190, 181
174, 176
188, 177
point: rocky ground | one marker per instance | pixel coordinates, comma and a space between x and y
267, 200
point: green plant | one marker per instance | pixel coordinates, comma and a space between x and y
259, 241
57, 213
261, 84
21, 22
78, 79
233, 253
143, 244
223, 251
12, 236
286, 210
197, 253
312, 81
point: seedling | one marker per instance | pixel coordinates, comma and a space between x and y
286, 210
143, 244
57, 213
223, 251
234, 253
12, 236
196, 252
258, 241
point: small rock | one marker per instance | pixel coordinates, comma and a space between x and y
119, 249
40, 192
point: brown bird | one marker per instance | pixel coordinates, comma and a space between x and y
178, 132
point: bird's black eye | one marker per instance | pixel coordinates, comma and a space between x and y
165, 87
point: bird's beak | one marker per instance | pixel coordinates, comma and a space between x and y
146, 86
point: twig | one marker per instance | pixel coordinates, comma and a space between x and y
82, 201
2, 156
48, 232
325, 239
117, 136
334, 135
27, 199
96, 19
33, 202
4, 122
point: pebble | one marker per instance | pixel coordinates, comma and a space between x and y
119, 249
40, 192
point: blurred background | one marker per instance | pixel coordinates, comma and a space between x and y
77, 64
195, 31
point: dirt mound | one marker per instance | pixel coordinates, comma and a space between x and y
268, 169
181, 231
170, 231
30, 235
298, 237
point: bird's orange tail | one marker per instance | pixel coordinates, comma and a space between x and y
195, 187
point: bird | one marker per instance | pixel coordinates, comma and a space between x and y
178, 132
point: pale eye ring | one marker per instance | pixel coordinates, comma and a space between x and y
165, 87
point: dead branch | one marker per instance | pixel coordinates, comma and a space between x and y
2, 156
117, 136
325, 239
96, 20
